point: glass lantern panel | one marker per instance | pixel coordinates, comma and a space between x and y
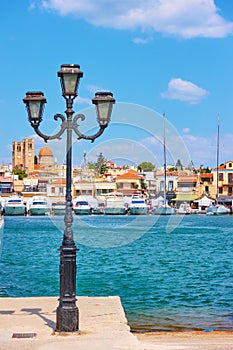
70, 81
34, 109
103, 112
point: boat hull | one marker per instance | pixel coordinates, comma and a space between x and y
217, 210
14, 210
38, 211
165, 211
138, 210
59, 209
82, 211
114, 211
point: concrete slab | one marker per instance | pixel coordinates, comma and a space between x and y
103, 325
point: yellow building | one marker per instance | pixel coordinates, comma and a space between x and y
224, 182
23, 155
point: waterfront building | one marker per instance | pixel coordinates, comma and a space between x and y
171, 183
187, 189
56, 190
128, 182
23, 155
224, 182
96, 188
83, 188
6, 185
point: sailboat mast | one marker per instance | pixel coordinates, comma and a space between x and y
165, 160
217, 158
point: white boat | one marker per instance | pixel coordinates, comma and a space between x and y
59, 208
81, 206
114, 204
138, 205
14, 206
184, 209
39, 205
164, 208
217, 209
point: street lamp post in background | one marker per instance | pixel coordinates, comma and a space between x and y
69, 74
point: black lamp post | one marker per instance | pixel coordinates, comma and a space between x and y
70, 74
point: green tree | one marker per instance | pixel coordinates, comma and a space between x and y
21, 173
179, 165
100, 166
146, 166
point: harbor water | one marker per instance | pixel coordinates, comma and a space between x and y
170, 275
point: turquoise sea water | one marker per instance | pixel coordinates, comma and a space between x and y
167, 279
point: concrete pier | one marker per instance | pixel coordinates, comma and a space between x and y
29, 323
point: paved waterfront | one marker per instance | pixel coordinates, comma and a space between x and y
103, 326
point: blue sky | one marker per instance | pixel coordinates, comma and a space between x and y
172, 56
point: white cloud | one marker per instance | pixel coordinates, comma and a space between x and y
83, 100
182, 18
186, 130
182, 90
141, 40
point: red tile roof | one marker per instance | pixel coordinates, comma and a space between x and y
131, 174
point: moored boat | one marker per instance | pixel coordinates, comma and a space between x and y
165, 209
184, 209
114, 204
138, 205
39, 205
217, 209
15, 206
59, 208
81, 206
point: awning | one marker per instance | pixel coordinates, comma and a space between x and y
205, 201
185, 197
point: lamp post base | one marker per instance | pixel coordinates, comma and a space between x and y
67, 319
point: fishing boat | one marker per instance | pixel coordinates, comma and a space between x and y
184, 209
39, 205
217, 209
138, 205
164, 208
15, 206
114, 204
81, 206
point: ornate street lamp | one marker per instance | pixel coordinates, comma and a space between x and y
69, 74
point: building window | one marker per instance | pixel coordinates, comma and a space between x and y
229, 191
206, 189
220, 190
161, 185
52, 189
61, 190
220, 176
170, 185
230, 165
230, 178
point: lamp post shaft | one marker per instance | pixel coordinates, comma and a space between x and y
67, 311
70, 74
